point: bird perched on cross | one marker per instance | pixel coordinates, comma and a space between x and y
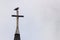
16, 8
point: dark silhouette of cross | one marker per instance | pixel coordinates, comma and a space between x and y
17, 18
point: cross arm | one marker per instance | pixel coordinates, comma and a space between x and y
17, 15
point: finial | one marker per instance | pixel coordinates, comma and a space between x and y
17, 20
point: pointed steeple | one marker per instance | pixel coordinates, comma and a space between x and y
17, 34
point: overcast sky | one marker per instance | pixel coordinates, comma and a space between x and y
41, 21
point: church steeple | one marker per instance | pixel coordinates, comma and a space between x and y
17, 33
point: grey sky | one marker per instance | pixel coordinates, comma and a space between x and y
41, 21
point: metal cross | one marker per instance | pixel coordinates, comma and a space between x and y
17, 19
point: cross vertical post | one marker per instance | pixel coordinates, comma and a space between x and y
17, 19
